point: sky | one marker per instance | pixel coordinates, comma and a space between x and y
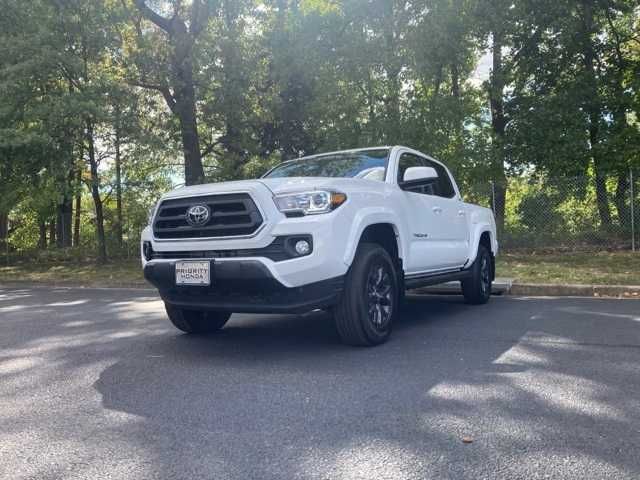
482, 71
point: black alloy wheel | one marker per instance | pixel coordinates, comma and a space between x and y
368, 306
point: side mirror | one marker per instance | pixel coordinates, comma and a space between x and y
414, 176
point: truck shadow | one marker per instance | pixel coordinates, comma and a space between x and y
279, 397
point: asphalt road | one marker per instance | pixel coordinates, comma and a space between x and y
97, 384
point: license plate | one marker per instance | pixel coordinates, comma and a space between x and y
193, 273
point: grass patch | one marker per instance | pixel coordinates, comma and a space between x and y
597, 268
600, 268
118, 273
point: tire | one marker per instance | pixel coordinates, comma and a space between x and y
368, 306
196, 321
477, 288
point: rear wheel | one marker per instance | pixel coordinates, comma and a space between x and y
196, 321
369, 304
477, 288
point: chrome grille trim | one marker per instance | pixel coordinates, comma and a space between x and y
233, 215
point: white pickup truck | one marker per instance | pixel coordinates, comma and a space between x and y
345, 231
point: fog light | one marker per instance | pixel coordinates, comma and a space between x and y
302, 247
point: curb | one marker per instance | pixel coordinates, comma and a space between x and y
507, 286
70, 285
549, 290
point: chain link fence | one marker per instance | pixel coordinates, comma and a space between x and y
564, 214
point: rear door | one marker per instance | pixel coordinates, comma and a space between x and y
455, 235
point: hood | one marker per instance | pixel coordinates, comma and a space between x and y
213, 188
279, 186
297, 184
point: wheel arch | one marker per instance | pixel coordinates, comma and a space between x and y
383, 232
485, 237
385, 235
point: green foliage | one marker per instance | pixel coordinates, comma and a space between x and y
276, 79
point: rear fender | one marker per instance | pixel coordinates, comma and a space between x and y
476, 234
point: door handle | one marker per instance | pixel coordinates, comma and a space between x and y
461, 213
437, 210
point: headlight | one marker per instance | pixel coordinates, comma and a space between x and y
309, 203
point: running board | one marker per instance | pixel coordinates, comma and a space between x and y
435, 279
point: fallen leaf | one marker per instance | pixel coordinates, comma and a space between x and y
467, 440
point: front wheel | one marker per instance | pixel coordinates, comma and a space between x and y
477, 288
365, 313
196, 321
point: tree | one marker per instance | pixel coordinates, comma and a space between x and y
175, 80
495, 22
99, 98
90, 34
569, 106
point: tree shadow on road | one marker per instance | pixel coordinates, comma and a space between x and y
543, 386
279, 397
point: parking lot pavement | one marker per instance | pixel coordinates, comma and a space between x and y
97, 384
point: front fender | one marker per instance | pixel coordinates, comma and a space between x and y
371, 216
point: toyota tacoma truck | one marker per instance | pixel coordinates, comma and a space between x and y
348, 232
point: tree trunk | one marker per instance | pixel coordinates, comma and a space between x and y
620, 126
455, 80
500, 202
182, 101
594, 112
52, 233
68, 222
620, 199
95, 194
600, 178
498, 125
4, 231
186, 110
64, 221
42, 237
459, 119
118, 166
393, 129
371, 102
59, 225
232, 82
78, 209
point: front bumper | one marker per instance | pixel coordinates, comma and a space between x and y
328, 233
242, 286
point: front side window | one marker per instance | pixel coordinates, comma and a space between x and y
408, 160
367, 164
442, 187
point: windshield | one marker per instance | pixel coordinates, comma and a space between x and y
369, 164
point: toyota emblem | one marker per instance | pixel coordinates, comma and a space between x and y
198, 215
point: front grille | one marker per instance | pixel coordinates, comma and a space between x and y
232, 215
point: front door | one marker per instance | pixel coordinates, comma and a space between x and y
437, 221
